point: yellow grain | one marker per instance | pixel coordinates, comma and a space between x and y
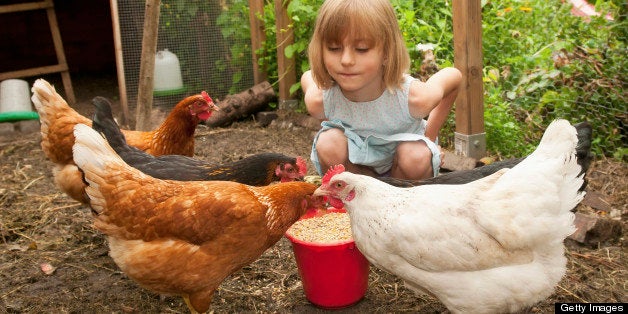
329, 228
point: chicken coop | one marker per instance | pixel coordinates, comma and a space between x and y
197, 50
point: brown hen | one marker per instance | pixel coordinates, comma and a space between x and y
183, 238
174, 136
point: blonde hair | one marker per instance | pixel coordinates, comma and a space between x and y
371, 20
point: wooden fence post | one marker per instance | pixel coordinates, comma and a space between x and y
117, 42
470, 139
256, 7
147, 66
285, 66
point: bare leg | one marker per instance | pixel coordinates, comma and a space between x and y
413, 160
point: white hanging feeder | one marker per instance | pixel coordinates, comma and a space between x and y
15, 101
168, 79
15, 96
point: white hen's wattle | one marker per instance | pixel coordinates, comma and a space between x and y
492, 245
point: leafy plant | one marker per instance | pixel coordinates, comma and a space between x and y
237, 34
558, 65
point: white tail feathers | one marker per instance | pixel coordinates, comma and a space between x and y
560, 141
43, 92
94, 156
559, 137
569, 192
91, 150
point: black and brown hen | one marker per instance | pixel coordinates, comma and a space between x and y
258, 170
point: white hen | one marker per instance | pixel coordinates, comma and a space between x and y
492, 245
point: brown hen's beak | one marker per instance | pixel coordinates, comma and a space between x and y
317, 202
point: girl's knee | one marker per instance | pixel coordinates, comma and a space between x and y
420, 162
414, 160
413, 150
330, 140
332, 134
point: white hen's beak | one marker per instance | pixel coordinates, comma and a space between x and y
321, 191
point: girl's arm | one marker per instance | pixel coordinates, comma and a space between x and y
435, 98
313, 96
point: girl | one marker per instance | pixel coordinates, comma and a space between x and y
374, 112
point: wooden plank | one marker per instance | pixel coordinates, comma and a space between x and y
58, 43
34, 71
467, 23
19, 7
460, 15
256, 8
117, 42
467, 29
285, 36
147, 66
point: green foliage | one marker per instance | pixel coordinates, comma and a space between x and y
556, 65
235, 29
503, 132
426, 22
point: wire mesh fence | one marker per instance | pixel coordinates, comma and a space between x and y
210, 57
548, 60
579, 85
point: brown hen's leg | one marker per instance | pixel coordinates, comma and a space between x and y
187, 302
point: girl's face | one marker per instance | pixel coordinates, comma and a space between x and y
356, 66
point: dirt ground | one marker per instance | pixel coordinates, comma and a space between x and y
39, 225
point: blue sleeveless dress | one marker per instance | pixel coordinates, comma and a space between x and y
374, 129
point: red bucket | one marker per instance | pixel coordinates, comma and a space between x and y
334, 275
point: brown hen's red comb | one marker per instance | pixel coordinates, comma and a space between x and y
206, 96
333, 170
302, 166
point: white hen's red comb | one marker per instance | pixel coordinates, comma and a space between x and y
333, 170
